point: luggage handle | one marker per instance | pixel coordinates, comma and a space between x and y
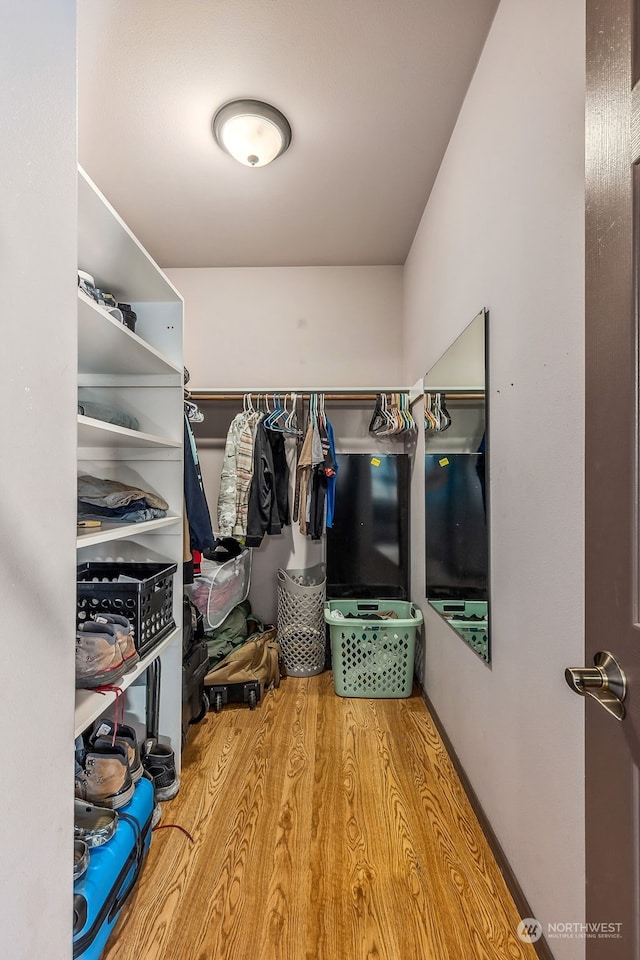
138, 856
152, 705
121, 899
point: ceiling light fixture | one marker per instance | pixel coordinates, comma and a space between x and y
252, 132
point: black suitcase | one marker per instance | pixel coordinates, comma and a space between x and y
195, 702
192, 625
221, 693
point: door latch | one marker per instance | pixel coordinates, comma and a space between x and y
605, 682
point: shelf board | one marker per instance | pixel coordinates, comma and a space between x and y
106, 346
108, 250
90, 704
121, 531
449, 389
97, 433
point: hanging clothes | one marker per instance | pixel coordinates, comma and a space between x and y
281, 474
245, 458
316, 472
317, 497
200, 529
303, 476
263, 514
228, 478
331, 471
254, 485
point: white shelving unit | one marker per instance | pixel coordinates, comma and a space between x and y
142, 374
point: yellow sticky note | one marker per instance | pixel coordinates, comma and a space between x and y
375, 462
444, 462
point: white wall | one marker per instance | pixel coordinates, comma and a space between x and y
37, 482
504, 229
292, 326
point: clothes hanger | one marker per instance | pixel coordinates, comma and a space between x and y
398, 414
403, 412
280, 420
386, 423
269, 421
446, 417
389, 417
437, 412
377, 418
430, 420
291, 425
323, 416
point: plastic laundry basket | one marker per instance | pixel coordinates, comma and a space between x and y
301, 630
372, 658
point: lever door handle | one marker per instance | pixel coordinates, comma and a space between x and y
605, 682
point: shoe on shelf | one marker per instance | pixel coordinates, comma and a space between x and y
95, 825
105, 778
107, 732
124, 636
160, 762
80, 858
99, 660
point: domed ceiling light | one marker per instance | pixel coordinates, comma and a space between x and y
252, 132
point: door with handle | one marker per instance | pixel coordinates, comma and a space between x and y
604, 681
609, 679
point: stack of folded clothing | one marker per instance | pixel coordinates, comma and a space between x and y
107, 413
118, 502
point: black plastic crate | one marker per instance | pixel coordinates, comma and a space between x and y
147, 602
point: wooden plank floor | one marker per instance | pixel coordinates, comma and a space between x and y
324, 829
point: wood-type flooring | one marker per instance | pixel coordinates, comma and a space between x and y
323, 829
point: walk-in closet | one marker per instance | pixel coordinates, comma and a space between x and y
272, 345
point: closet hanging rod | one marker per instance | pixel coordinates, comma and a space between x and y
330, 393
459, 395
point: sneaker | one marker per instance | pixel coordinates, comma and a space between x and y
124, 636
105, 778
99, 660
159, 761
106, 732
94, 825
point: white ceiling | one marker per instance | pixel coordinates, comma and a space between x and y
372, 89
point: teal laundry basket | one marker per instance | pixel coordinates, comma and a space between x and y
372, 658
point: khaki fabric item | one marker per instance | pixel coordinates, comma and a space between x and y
303, 475
260, 658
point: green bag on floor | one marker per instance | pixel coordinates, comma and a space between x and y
232, 632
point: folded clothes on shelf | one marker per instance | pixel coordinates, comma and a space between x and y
116, 501
136, 512
107, 413
113, 493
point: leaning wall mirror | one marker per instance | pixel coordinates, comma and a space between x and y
456, 495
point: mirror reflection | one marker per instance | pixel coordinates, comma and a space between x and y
456, 529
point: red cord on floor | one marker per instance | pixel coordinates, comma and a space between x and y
176, 826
